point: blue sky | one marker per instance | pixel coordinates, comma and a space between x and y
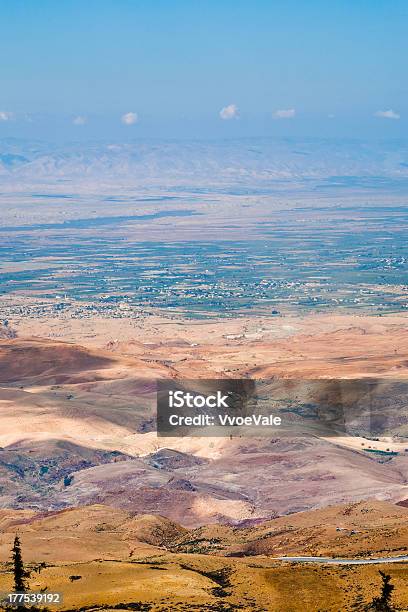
124, 69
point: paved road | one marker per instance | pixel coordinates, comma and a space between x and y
338, 561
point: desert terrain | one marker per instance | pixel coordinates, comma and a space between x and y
90, 409
98, 556
196, 523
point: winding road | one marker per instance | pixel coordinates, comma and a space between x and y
339, 561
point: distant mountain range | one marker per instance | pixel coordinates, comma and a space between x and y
241, 165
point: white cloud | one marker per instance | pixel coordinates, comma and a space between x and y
387, 114
284, 113
229, 112
79, 120
129, 118
4, 116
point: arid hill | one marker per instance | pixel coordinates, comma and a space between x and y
100, 556
78, 428
362, 529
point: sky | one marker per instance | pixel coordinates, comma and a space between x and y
194, 69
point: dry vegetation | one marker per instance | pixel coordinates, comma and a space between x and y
116, 557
